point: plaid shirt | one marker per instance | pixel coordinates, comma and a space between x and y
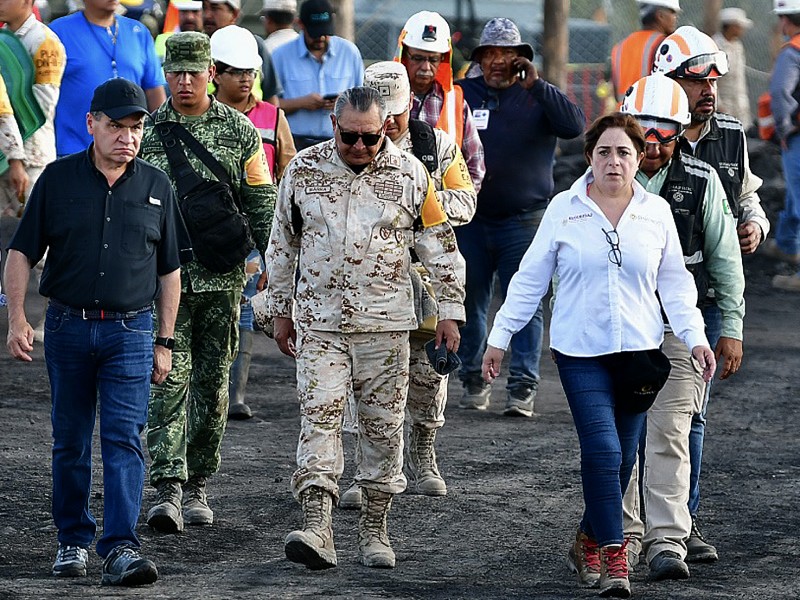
429, 107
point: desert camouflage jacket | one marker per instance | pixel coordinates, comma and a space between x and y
352, 246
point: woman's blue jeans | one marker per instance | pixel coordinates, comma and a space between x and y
111, 360
608, 440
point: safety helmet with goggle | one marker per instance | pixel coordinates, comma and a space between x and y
690, 53
660, 105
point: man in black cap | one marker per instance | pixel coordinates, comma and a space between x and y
314, 69
109, 221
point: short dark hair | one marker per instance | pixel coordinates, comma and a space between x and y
280, 17
793, 18
627, 123
221, 66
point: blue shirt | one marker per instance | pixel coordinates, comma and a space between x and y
90, 53
302, 74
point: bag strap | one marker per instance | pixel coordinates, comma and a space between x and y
204, 155
186, 178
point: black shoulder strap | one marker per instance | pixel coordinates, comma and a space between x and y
186, 178
423, 143
204, 155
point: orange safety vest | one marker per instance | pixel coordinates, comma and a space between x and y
766, 122
632, 59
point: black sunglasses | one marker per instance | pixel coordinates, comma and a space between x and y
351, 137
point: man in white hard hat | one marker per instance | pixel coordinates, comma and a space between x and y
711, 252
732, 88
427, 391
785, 108
425, 49
190, 18
278, 17
315, 68
693, 59
632, 58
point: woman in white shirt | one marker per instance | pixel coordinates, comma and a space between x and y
612, 245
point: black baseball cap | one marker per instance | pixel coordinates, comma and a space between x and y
317, 18
119, 98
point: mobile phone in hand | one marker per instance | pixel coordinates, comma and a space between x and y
522, 74
330, 96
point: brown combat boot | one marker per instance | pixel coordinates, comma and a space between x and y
195, 502
421, 468
312, 546
165, 515
584, 560
373, 538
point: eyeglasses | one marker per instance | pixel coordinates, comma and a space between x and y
241, 73
701, 67
351, 137
418, 59
615, 254
656, 130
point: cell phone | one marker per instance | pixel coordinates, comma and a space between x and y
522, 74
330, 96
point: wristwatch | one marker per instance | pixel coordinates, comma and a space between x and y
167, 342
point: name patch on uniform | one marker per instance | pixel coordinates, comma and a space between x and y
226, 141
318, 189
577, 218
154, 201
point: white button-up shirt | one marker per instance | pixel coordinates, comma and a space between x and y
600, 307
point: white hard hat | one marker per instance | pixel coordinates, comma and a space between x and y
282, 5
735, 16
786, 7
427, 31
390, 78
690, 54
671, 4
188, 4
657, 97
235, 46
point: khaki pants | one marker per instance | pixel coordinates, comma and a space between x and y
666, 463
373, 367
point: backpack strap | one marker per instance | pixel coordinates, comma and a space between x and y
186, 178
423, 143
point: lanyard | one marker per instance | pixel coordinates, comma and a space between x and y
113, 35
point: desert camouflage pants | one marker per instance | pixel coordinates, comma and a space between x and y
329, 367
187, 414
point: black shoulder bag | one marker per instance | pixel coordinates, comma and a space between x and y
214, 217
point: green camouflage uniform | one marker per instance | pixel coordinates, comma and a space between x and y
353, 305
188, 412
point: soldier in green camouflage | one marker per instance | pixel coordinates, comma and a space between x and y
188, 412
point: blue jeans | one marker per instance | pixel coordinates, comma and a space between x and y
86, 360
608, 439
489, 247
713, 319
787, 233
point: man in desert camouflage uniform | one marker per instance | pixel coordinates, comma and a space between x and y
427, 392
188, 412
359, 205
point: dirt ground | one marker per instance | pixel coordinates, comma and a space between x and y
504, 528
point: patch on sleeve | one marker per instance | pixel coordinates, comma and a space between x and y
5, 103
457, 177
256, 170
432, 209
49, 60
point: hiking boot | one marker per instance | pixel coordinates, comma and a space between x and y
351, 498
125, 566
421, 469
698, 550
165, 515
476, 395
195, 502
584, 560
614, 581
239, 411
374, 548
668, 565
312, 546
519, 402
70, 561
787, 283
770, 249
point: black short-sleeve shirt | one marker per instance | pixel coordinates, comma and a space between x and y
107, 245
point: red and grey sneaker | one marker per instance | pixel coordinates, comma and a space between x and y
614, 581
584, 560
